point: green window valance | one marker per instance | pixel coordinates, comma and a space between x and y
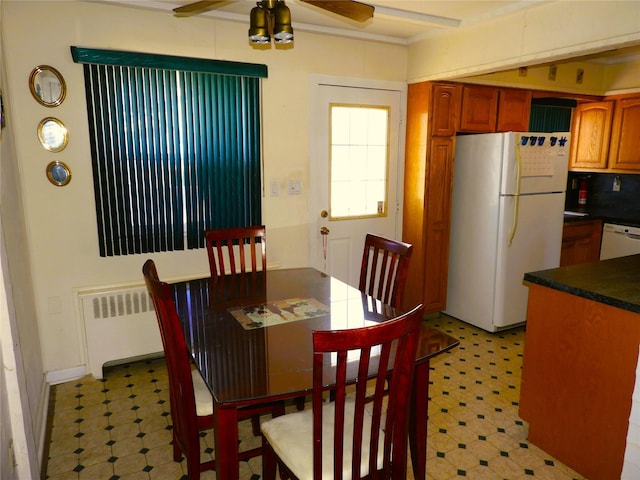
152, 60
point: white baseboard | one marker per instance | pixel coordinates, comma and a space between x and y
55, 377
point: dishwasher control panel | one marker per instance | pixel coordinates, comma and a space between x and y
619, 241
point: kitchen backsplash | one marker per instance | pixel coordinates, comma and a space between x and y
601, 194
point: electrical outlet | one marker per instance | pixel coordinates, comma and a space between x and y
295, 187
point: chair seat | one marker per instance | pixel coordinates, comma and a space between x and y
291, 437
204, 401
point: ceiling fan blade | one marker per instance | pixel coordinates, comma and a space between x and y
196, 7
360, 12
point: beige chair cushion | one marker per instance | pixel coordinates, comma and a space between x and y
204, 400
291, 437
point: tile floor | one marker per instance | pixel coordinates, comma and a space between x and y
119, 427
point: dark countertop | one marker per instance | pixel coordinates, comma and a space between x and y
607, 215
614, 282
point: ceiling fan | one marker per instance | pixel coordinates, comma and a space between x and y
266, 12
273, 18
360, 12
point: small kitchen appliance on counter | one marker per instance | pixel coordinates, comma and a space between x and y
507, 216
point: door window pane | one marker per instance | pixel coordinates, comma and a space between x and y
359, 150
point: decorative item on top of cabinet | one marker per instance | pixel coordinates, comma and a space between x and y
590, 134
625, 135
581, 242
479, 109
514, 109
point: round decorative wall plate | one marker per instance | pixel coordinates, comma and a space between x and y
53, 134
58, 173
47, 86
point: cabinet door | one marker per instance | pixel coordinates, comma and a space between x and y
514, 108
445, 110
581, 242
590, 135
438, 223
625, 137
479, 109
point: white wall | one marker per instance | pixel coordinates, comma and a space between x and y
550, 31
24, 397
597, 78
61, 225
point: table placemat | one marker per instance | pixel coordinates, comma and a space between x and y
276, 313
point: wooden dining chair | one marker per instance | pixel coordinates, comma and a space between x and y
191, 401
361, 436
236, 250
383, 273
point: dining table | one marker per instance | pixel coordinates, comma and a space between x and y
250, 336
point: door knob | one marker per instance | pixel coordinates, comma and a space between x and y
324, 231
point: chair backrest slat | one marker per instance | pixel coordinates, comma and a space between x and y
227, 250
390, 347
384, 269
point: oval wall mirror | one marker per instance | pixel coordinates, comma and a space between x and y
47, 86
53, 134
58, 173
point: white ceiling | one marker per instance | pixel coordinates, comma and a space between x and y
394, 21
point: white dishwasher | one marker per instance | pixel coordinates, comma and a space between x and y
619, 241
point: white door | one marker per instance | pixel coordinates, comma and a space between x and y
356, 147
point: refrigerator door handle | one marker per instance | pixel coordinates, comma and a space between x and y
514, 225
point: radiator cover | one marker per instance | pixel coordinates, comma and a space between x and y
120, 325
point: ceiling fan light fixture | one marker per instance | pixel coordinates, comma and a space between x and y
259, 26
283, 31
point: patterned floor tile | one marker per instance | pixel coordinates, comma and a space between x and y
118, 428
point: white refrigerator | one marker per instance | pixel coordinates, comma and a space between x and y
507, 216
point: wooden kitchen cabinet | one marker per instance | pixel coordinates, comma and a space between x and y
432, 110
625, 135
590, 135
479, 109
489, 109
578, 374
581, 242
438, 223
514, 109
446, 105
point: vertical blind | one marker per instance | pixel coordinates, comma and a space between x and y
550, 119
174, 152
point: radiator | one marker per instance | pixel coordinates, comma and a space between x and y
120, 325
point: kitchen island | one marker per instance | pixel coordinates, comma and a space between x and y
579, 366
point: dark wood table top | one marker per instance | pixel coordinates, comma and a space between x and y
244, 366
